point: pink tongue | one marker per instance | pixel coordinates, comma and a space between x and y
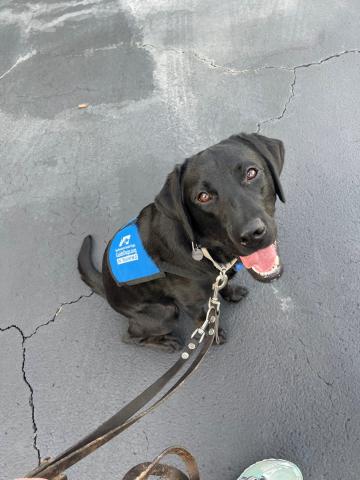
262, 260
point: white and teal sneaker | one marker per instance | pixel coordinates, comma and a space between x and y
272, 469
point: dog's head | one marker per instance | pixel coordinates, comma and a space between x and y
225, 199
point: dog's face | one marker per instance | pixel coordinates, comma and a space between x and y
226, 196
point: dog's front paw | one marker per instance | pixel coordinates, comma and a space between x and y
234, 293
170, 343
166, 343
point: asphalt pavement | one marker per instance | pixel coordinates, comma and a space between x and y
162, 80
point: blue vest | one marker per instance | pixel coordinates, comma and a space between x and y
128, 260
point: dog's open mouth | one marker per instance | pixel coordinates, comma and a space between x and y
264, 265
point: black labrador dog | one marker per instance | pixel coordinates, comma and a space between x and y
222, 198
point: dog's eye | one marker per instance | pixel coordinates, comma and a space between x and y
251, 173
204, 197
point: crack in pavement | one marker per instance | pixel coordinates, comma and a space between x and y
211, 63
207, 61
31, 403
23, 366
287, 103
327, 382
293, 83
30, 388
234, 71
53, 318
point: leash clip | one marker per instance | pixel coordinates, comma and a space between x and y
220, 283
213, 312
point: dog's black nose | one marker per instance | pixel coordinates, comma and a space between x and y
253, 232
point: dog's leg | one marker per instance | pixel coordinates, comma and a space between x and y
154, 327
233, 293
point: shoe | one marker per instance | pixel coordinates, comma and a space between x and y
272, 469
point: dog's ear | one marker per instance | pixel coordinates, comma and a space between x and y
272, 151
170, 200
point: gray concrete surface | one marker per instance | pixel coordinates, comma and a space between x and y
164, 80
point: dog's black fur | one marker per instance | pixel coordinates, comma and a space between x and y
176, 217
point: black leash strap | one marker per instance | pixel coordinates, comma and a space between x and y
126, 416
131, 413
